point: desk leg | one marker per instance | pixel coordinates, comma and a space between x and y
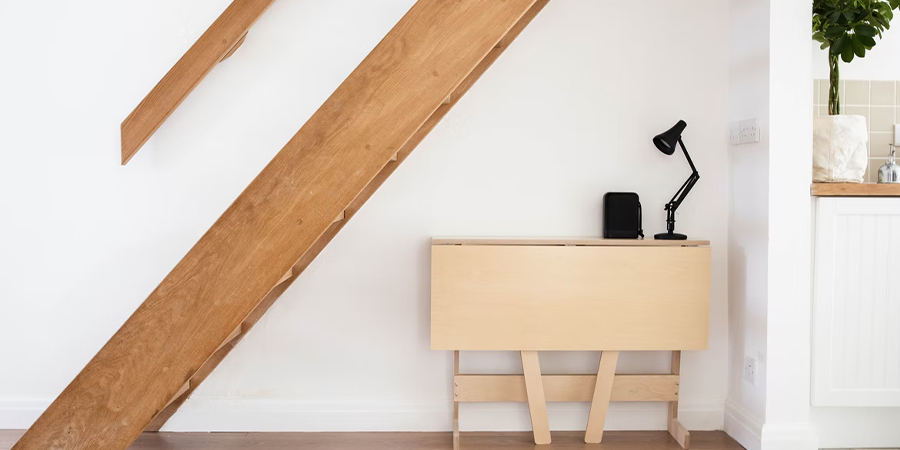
537, 405
455, 403
600, 401
676, 429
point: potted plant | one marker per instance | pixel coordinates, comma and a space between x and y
847, 28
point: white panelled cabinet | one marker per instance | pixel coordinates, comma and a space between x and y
856, 302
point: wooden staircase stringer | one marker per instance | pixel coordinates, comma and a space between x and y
193, 382
279, 219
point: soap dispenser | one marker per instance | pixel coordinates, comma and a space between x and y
890, 171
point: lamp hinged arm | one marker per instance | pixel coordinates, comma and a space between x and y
688, 184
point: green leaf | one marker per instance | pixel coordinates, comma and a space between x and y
847, 53
835, 31
858, 48
866, 41
885, 10
865, 30
824, 45
838, 47
879, 22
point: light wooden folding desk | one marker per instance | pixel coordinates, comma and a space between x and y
530, 295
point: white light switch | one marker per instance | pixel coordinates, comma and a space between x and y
897, 135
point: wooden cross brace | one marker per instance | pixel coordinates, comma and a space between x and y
600, 389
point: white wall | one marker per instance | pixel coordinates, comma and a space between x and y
565, 115
748, 232
769, 262
788, 425
860, 426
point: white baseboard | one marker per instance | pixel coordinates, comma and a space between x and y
243, 414
801, 436
701, 414
217, 414
20, 414
755, 434
743, 426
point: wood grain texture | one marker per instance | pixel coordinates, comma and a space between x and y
563, 440
565, 388
854, 190
537, 405
235, 47
388, 104
676, 370
676, 429
492, 297
680, 434
455, 402
217, 43
601, 397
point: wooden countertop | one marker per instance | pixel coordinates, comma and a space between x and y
854, 190
567, 241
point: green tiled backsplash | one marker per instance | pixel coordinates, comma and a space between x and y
878, 102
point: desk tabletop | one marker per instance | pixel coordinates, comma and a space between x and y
587, 241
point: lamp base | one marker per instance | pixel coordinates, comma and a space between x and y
670, 237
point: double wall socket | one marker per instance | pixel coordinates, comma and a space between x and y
744, 132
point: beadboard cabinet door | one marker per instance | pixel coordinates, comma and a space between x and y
856, 305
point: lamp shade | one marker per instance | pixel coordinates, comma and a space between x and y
667, 141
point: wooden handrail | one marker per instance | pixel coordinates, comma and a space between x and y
219, 41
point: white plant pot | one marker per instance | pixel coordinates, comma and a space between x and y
839, 149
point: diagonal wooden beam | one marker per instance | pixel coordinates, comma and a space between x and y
606, 375
357, 203
537, 404
280, 222
219, 41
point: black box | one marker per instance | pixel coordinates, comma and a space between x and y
622, 216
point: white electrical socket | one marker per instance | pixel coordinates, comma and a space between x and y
750, 370
744, 132
749, 131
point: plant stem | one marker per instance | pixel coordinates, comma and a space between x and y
834, 78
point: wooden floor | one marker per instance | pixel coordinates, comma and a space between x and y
612, 440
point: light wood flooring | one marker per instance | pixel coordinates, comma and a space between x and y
612, 440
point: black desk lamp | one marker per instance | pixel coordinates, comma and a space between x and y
665, 142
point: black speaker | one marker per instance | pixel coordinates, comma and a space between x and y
622, 216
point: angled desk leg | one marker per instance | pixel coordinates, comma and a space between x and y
600, 402
676, 429
537, 405
455, 403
